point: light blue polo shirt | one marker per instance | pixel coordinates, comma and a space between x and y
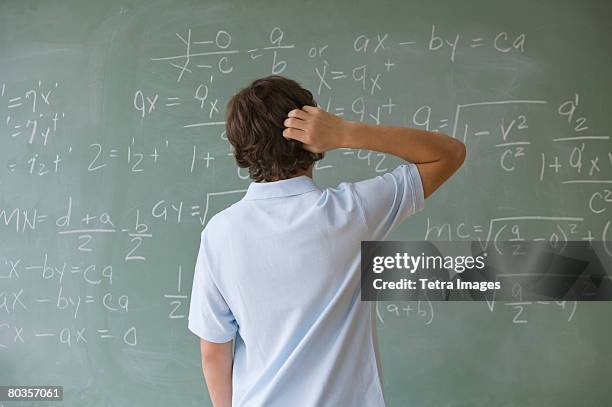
279, 272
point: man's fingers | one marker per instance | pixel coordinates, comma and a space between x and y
300, 114
309, 109
293, 133
295, 123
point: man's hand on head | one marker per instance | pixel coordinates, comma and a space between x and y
318, 130
436, 155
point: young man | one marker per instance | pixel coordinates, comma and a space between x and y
278, 273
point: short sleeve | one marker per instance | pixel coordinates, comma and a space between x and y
388, 199
210, 317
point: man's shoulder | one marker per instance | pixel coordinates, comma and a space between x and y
221, 222
217, 222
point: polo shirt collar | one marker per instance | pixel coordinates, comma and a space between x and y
285, 187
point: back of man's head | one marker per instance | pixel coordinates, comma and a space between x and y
254, 124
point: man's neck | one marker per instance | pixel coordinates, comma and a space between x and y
307, 172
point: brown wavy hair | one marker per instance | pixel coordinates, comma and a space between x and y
254, 125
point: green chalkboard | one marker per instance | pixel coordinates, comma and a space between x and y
113, 157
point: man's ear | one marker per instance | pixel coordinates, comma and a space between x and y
310, 169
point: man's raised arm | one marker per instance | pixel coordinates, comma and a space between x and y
436, 155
